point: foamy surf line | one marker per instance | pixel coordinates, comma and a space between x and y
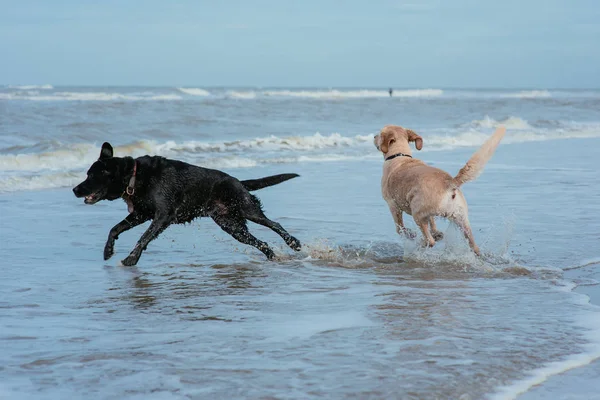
541, 375
30, 93
31, 87
86, 96
536, 377
82, 154
194, 91
528, 94
39, 170
583, 264
50, 179
334, 94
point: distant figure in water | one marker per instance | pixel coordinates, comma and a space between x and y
391, 91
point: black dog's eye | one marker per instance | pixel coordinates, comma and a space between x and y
105, 173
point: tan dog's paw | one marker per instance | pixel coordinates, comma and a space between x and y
437, 235
409, 234
428, 243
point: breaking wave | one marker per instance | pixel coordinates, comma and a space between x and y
31, 87
241, 95
509, 123
86, 96
194, 91
529, 94
48, 93
81, 155
58, 161
339, 94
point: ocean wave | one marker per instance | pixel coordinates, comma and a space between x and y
418, 93
31, 87
509, 123
269, 143
271, 147
79, 155
241, 95
340, 94
40, 181
86, 96
59, 161
35, 179
194, 91
529, 94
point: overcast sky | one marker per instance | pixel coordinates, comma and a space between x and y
414, 43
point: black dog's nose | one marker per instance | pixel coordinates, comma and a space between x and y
76, 190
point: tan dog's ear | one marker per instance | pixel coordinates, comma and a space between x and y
413, 137
387, 137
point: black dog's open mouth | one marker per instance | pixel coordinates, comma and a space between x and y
92, 198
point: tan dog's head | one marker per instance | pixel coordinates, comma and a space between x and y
393, 138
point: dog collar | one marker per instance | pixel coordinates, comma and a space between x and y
131, 187
398, 155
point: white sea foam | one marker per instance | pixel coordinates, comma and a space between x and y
257, 151
509, 123
529, 94
241, 94
194, 91
31, 178
590, 329
584, 263
418, 93
357, 146
271, 143
540, 375
86, 96
30, 87
70, 157
42, 181
341, 94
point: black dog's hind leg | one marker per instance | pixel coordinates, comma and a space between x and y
237, 228
156, 227
132, 220
256, 215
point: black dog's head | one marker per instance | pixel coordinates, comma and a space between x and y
106, 178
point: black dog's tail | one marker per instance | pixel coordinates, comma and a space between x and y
255, 184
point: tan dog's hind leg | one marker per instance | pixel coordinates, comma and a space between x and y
465, 227
437, 235
424, 225
398, 220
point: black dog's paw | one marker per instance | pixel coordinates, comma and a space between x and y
437, 235
130, 261
294, 243
108, 251
269, 253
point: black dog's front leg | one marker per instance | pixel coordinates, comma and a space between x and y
131, 221
155, 229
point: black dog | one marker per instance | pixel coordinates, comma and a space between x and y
173, 192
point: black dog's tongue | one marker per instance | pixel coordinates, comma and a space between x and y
129, 205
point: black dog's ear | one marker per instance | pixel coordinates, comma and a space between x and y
106, 152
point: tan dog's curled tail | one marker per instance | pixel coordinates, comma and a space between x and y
477, 162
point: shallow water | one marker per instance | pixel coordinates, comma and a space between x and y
359, 313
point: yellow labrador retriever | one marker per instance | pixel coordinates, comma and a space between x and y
411, 186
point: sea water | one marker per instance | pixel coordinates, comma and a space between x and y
359, 312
